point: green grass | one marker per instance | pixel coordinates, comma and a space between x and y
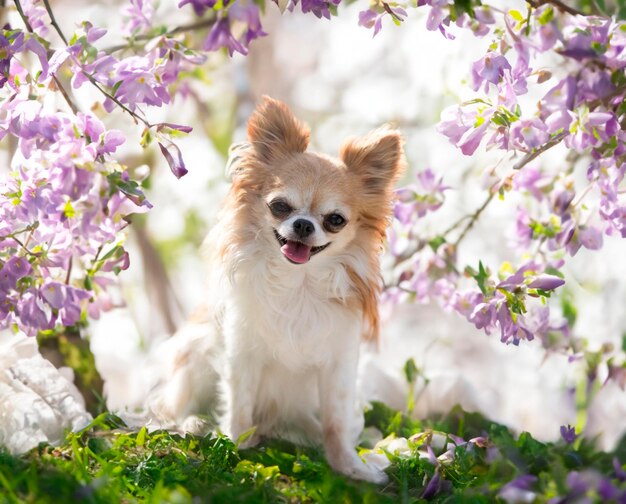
107, 463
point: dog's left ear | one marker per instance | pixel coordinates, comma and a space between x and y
274, 131
377, 158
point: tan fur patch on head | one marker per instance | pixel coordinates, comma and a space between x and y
274, 131
376, 160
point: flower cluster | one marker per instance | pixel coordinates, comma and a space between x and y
443, 458
580, 107
62, 208
237, 24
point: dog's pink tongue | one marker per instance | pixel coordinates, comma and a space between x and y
296, 251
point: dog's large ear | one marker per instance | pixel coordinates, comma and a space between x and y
273, 130
377, 158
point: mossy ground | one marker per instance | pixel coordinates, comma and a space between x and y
107, 463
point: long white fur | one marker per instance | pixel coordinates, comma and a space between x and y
282, 338
291, 353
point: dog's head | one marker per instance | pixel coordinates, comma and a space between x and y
309, 212
309, 205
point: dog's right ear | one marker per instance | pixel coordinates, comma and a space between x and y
273, 130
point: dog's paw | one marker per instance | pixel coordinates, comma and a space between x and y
354, 467
196, 425
367, 473
248, 441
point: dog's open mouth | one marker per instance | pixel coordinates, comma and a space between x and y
295, 251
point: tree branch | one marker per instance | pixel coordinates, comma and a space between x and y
540, 150
558, 4
198, 25
99, 87
53, 21
474, 217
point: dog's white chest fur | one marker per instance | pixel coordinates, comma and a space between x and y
293, 317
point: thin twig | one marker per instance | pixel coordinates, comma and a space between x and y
53, 21
65, 95
198, 25
99, 87
558, 4
537, 152
20, 11
33, 254
29, 28
474, 217
69, 270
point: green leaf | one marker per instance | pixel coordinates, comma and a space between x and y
411, 371
68, 210
569, 309
244, 436
141, 436
481, 276
436, 242
546, 16
116, 86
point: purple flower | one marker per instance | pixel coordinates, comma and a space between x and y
17, 267
221, 36
568, 433
54, 293
250, 15
489, 69
583, 38
367, 18
560, 98
546, 35
199, 6
174, 158
546, 282
433, 487
320, 8
9, 47
139, 81
35, 314
523, 230
413, 202
139, 14
465, 127
528, 134
519, 489
37, 16
533, 180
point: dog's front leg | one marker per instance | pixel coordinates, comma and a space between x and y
340, 420
240, 384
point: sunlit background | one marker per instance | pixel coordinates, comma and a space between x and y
343, 82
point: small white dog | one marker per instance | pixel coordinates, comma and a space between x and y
294, 279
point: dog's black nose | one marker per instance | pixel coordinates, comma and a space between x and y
303, 228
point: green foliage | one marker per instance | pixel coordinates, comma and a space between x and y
106, 462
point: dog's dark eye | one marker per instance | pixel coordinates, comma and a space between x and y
334, 222
280, 208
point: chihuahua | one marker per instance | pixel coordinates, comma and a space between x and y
295, 280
